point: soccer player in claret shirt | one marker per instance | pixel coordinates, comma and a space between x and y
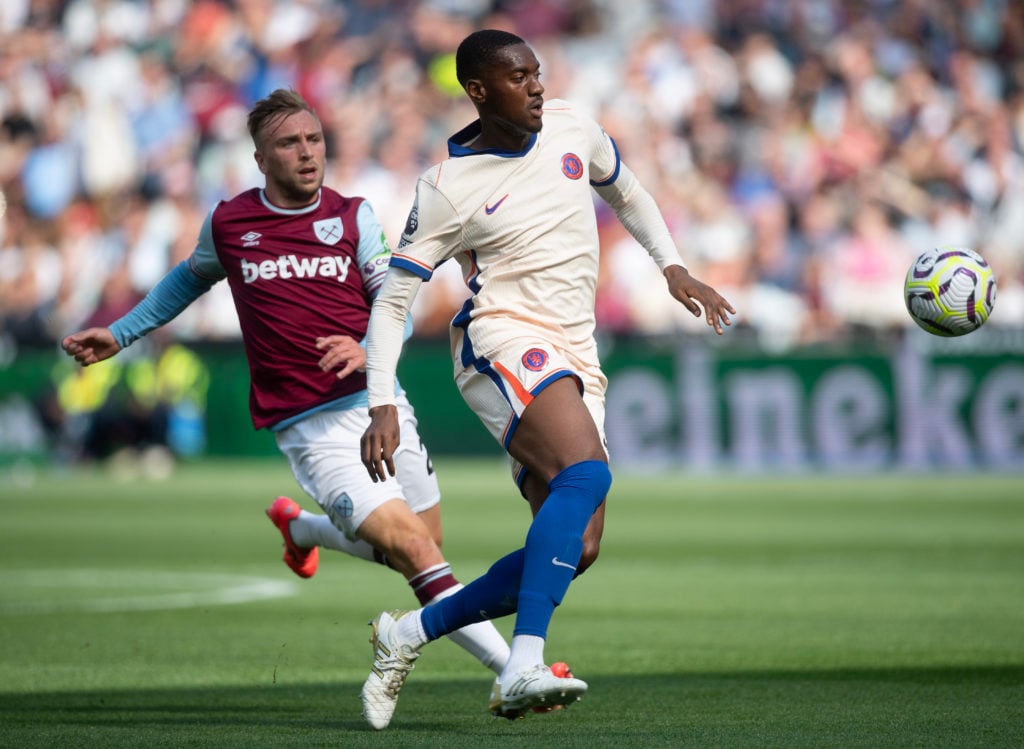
513, 205
303, 264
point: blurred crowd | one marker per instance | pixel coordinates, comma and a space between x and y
802, 151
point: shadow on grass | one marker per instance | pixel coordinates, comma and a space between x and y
954, 706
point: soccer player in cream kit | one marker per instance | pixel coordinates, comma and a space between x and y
513, 206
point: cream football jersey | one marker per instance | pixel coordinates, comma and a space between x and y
522, 227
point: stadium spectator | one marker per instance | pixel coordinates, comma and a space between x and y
918, 107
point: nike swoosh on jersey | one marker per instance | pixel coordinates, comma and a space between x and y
489, 209
554, 560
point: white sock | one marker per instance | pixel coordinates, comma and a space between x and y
310, 529
527, 651
410, 629
481, 640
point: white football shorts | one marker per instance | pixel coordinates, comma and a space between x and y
323, 450
498, 388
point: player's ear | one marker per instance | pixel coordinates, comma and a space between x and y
476, 90
259, 161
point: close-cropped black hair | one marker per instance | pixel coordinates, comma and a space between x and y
480, 50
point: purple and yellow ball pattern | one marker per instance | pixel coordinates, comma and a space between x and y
950, 291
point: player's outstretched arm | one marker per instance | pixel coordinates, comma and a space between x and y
342, 353
379, 442
695, 295
91, 345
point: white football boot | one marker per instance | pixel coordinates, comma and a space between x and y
534, 687
392, 662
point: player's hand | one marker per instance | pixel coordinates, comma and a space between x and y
379, 442
90, 346
695, 295
343, 353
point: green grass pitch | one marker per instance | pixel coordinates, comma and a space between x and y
877, 611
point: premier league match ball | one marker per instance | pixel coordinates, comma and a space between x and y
950, 291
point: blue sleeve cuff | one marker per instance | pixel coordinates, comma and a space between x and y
398, 261
176, 291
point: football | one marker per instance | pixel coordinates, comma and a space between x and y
950, 290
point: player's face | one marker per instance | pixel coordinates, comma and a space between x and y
511, 96
291, 153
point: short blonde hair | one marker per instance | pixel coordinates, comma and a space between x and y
279, 103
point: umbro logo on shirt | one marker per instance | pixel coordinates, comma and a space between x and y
250, 239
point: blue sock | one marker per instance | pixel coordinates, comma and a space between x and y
555, 534
555, 542
492, 595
